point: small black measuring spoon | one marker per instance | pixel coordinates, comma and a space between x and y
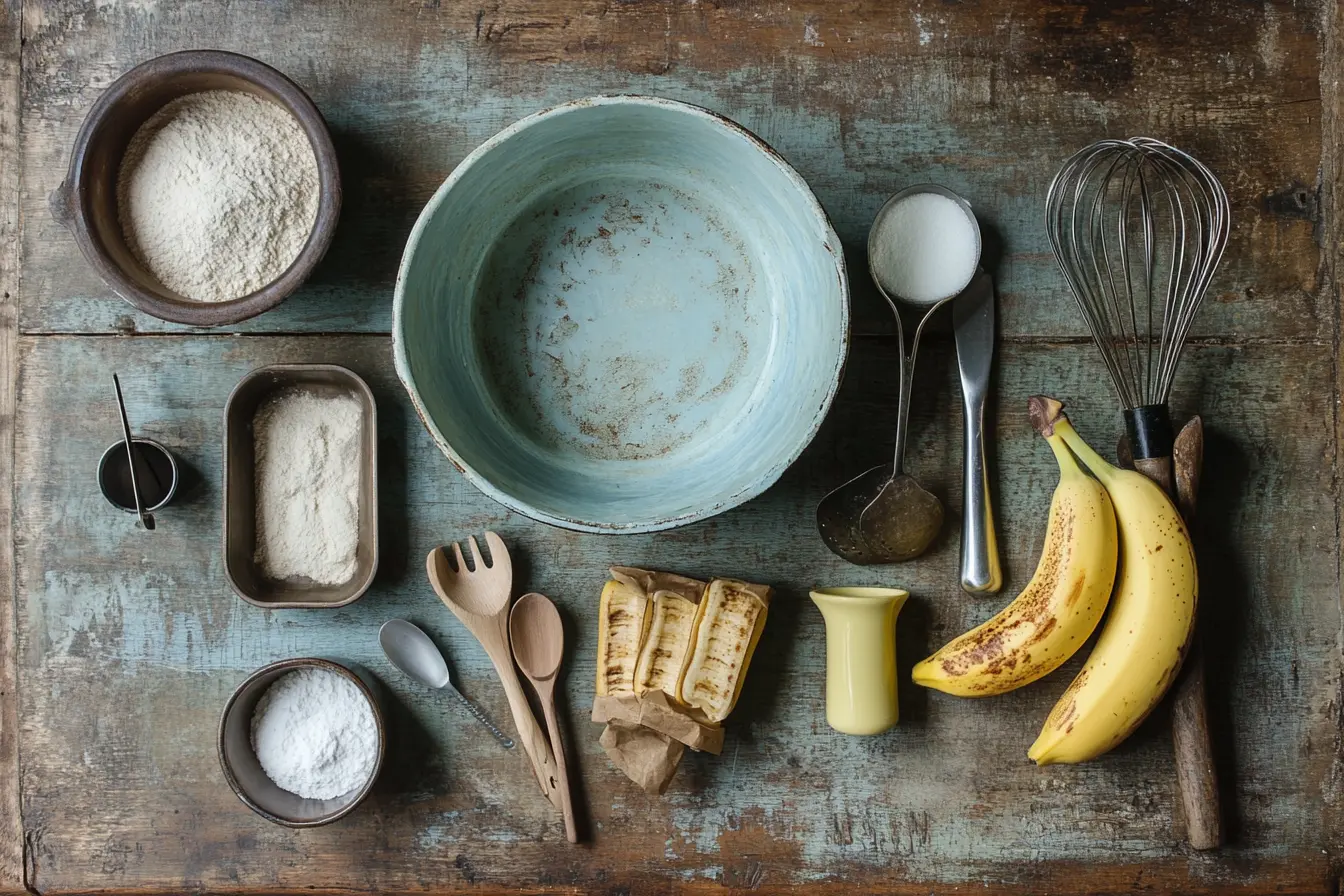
136, 475
146, 517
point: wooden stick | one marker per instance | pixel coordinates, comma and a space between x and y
1196, 776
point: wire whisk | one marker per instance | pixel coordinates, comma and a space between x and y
1138, 228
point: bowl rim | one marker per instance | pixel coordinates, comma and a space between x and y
69, 202
741, 496
294, 664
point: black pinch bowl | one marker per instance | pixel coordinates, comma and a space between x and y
243, 770
86, 201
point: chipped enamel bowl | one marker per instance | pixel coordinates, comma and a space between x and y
622, 314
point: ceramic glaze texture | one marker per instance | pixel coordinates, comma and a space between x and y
861, 691
622, 314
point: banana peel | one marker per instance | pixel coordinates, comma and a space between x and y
674, 605
622, 622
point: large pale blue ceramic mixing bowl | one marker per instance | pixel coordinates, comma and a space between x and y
622, 314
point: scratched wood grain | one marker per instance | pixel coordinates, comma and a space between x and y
11, 826
129, 643
863, 98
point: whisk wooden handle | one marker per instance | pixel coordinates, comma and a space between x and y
1196, 777
1157, 469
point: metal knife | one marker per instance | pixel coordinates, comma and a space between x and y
973, 324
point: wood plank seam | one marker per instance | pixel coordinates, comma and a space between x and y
1332, 188
13, 866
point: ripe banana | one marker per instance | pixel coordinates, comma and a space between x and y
1152, 615
1059, 608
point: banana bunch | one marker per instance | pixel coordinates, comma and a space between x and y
1121, 515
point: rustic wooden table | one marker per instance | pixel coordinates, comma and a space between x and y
122, 645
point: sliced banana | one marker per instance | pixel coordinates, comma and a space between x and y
623, 619
727, 626
662, 661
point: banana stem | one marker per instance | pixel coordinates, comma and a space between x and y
1068, 464
1047, 415
1090, 458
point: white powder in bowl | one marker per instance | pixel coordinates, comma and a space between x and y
924, 248
307, 450
217, 194
314, 734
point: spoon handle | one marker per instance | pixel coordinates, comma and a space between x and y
481, 717
558, 747
146, 519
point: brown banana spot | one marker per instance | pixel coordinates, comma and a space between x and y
1077, 591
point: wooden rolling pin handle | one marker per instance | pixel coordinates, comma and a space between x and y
1196, 777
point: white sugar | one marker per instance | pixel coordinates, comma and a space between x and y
924, 248
314, 734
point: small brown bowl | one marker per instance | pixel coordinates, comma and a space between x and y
240, 494
86, 201
243, 770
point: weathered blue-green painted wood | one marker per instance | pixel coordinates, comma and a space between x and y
863, 101
129, 642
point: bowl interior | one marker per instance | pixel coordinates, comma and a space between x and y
244, 771
623, 315
126, 106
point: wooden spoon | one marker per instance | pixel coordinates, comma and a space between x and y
479, 598
538, 639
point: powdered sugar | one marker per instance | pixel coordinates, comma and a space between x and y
314, 734
307, 486
218, 193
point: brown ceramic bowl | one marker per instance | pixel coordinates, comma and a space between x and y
243, 770
86, 201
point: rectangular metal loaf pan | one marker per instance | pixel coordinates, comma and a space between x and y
240, 497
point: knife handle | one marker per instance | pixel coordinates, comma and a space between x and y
980, 569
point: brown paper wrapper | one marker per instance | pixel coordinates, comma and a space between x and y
617, 707
648, 758
655, 711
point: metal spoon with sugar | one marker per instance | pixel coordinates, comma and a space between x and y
884, 515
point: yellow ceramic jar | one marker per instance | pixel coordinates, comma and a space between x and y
860, 657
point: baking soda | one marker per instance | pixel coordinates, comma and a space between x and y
924, 248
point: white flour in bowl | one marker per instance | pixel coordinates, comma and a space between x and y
314, 734
307, 450
217, 194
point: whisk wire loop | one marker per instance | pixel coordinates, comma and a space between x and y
1138, 228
